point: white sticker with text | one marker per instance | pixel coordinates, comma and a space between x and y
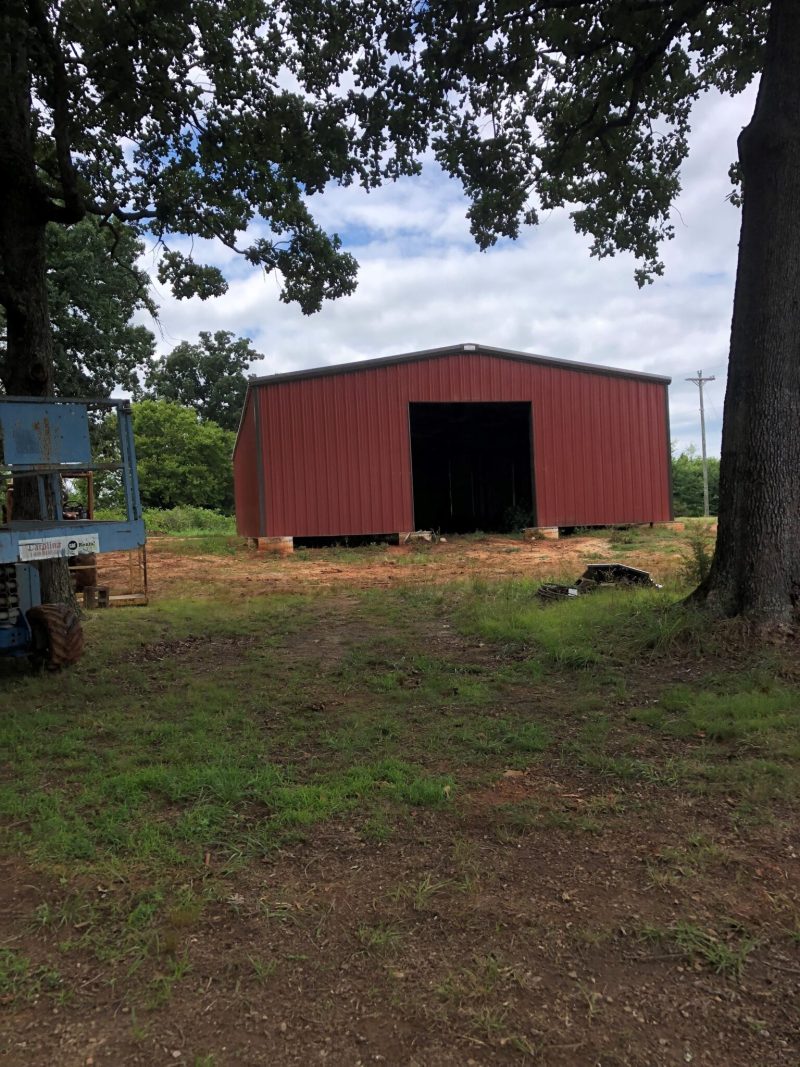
55, 547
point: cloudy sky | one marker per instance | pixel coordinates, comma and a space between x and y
423, 283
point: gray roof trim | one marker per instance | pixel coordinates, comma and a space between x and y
453, 350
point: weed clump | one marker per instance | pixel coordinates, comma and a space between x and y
696, 562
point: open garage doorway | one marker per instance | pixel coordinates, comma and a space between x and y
472, 466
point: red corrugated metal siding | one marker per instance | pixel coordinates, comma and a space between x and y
245, 485
337, 457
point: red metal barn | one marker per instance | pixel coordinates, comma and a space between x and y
458, 438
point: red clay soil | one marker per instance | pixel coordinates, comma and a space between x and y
173, 568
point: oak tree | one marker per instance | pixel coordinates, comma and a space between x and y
208, 376
95, 287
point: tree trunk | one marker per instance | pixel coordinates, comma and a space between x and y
28, 365
756, 569
28, 369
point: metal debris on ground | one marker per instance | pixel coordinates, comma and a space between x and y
419, 535
556, 592
598, 576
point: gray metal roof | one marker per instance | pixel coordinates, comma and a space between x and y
453, 350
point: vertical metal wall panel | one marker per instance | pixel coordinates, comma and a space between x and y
245, 473
337, 451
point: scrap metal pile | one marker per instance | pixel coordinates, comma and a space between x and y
598, 576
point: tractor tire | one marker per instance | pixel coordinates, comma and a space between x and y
57, 635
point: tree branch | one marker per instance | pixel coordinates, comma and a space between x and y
643, 65
73, 208
138, 276
107, 211
636, 73
632, 7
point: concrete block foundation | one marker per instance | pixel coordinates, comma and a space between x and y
280, 546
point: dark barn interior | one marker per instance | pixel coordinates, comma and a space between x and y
472, 465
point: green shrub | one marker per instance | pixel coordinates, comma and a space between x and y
176, 520
581, 632
623, 535
183, 519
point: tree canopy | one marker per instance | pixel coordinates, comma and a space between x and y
197, 117
218, 121
181, 460
207, 376
172, 117
94, 288
562, 103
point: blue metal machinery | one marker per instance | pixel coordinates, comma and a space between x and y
48, 439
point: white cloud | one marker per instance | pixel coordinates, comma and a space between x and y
423, 283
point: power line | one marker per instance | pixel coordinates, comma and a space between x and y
700, 381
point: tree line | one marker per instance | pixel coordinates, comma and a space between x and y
687, 483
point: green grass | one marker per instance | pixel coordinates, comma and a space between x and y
156, 762
20, 980
193, 727
518, 820
379, 938
483, 735
421, 894
180, 520
263, 969
740, 734
673, 864
764, 718
341, 553
191, 802
199, 739
196, 746
192, 544
726, 953
610, 626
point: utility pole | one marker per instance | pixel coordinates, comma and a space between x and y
699, 381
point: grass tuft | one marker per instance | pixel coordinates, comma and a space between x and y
611, 626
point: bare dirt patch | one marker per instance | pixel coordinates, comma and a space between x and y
246, 572
447, 947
